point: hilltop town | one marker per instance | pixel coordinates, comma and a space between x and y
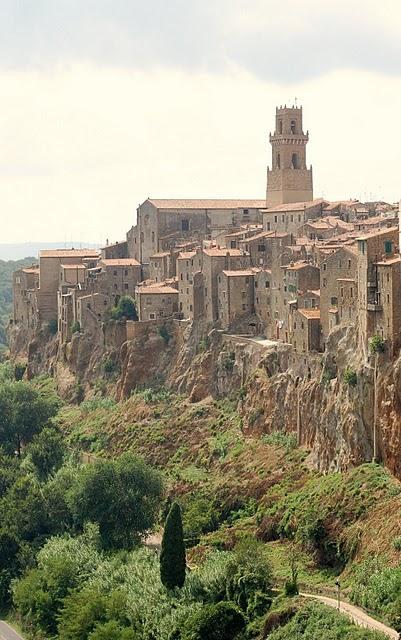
290, 268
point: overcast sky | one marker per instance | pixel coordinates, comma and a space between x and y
107, 102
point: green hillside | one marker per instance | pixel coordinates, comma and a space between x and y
6, 273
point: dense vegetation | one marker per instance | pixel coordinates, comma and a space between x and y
73, 564
6, 272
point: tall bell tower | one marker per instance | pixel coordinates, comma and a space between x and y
289, 180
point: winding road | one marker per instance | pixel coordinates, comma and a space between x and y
358, 616
8, 633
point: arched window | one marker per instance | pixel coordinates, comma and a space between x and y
293, 126
278, 161
294, 161
280, 126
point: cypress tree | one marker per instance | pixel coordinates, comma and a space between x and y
172, 557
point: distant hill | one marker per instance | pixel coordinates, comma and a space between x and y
6, 273
19, 251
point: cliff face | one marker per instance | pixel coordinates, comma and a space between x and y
279, 390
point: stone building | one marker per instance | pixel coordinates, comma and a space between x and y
388, 314
289, 218
190, 284
372, 249
156, 301
262, 280
162, 265
338, 294
25, 284
257, 246
163, 224
235, 296
304, 330
49, 276
289, 179
115, 251
216, 260
119, 277
91, 309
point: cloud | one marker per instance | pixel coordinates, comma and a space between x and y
286, 42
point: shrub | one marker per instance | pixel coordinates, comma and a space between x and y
110, 366
350, 377
249, 573
19, 371
204, 344
376, 344
53, 326
279, 438
221, 621
397, 543
125, 309
75, 327
163, 332
228, 361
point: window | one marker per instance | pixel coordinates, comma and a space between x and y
280, 126
115, 272
246, 212
152, 316
261, 248
181, 276
342, 292
351, 292
388, 246
267, 284
333, 301
126, 272
283, 218
275, 218
233, 244
244, 307
324, 266
324, 282
126, 286
388, 298
268, 226
349, 264
153, 236
185, 224
294, 161
115, 287
299, 218
278, 161
243, 294
293, 126
190, 307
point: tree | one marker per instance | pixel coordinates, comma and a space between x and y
249, 577
23, 413
123, 496
125, 308
172, 557
47, 451
221, 621
113, 631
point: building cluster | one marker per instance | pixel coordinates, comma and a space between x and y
288, 267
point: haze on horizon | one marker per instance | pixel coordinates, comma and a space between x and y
106, 103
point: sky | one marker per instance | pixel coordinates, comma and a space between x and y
107, 102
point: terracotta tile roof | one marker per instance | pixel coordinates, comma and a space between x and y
160, 254
213, 203
258, 236
69, 253
239, 273
297, 266
73, 266
32, 269
294, 206
380, 232
186, 255
346, 280
311, 314
120, 262
390, 261
155, 290
221, 252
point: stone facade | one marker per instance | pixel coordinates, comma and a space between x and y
25, 285
305, 330
289, 179
235, 296
216, 260
156, 301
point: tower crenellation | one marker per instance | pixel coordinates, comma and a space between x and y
289, 179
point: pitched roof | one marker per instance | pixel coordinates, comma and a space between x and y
120, 262
69, 253
160, 254
213, 203
149, 290
380, 232
295, 206
186, 255
389, 261
73, 266
239, 273
222, 252
310, 314
298, 265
